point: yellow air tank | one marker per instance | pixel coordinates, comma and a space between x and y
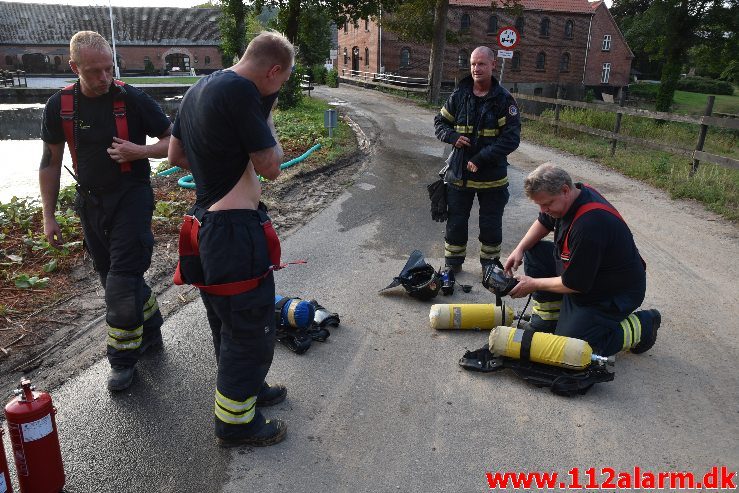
549, 349
469, 316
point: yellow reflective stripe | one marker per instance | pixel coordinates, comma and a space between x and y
488, 251
124, 334
291, 312
234, 412
548, 310
452, 250
632, 331
150, 308
482, 184
446, 114
501, 121
489, 132
464, 129
124, 345
548, 306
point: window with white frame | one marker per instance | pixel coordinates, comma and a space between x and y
606, 42
606, 73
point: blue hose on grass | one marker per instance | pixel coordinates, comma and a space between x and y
187, 181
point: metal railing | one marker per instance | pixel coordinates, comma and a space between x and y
407, 84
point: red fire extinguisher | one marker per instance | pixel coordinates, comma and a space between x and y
5, 486
33, 434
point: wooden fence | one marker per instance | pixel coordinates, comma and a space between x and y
697, 154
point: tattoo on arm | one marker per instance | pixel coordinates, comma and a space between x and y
45, 157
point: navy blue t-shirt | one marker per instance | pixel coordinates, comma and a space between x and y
604, 260
95, 168
222, 119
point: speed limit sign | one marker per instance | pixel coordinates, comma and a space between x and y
508, 37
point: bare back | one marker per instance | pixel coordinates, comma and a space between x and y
244, 195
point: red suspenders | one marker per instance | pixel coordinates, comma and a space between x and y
565, 255
67, 114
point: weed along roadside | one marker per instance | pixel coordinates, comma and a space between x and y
52, 303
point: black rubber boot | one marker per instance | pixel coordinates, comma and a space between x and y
120, 377
270, 395
260, 434
648, 338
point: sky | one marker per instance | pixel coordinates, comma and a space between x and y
139, 3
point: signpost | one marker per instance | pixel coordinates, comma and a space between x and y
508, 38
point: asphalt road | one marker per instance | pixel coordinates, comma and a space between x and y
383, 405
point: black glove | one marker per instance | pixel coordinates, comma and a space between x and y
437, 194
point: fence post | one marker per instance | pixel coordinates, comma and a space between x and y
556, 112
617, 126
702, 134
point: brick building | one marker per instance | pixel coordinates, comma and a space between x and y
574, 44
35, 37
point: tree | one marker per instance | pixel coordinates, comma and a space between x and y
314, 33
424, 21
669, 31
339, 10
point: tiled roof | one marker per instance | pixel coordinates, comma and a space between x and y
35, 23
572, 6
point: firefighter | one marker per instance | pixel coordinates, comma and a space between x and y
588, 283
105, 124
481, 120
225, 135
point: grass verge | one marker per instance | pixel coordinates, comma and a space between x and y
714, 186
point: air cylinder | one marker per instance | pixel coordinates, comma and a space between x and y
469, 316
548, 349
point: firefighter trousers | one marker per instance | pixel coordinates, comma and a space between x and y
117, 231
459, 205
232, 248
609, 325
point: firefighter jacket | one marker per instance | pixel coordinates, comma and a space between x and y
493, 125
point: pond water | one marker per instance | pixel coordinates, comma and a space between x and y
21, 148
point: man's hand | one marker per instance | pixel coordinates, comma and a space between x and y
122, 151
53, 232
514, 260
525, 286
472, 167
462, 141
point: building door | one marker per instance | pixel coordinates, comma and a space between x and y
355, 60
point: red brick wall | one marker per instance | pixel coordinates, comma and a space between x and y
619, 55
132, 57
363, 36
554, 46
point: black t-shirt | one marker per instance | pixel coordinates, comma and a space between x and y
604, 260
221, 121
95, 168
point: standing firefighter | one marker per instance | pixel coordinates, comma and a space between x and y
480, 119
225, 134
105, 123
586, 283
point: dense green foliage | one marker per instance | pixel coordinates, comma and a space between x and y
674, 37
319, 73
290, 93
705, 85
332, 78
313, 41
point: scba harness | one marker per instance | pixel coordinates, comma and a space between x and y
70, 118
190, 270
583, 209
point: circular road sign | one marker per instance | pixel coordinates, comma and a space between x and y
508, 37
